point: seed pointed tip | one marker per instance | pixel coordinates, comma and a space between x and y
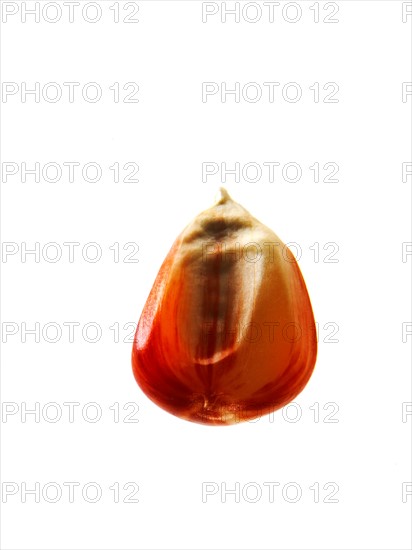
223, 196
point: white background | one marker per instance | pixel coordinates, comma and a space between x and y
169, 133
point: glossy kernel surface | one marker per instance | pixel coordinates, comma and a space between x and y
227, 333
